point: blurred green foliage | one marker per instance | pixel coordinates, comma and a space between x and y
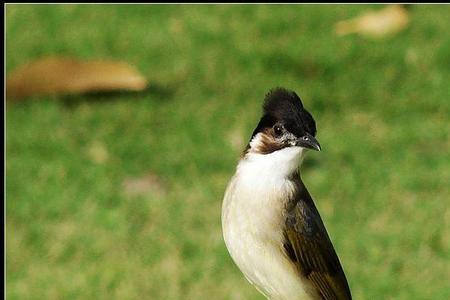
381, 182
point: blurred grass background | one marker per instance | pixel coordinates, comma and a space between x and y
381, 182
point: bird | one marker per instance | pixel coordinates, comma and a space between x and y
271, 226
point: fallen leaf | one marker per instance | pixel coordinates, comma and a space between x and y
65, 75
147, 184
376, 24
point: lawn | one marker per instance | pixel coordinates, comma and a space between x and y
77, 229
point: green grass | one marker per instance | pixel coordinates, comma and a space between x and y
381, 182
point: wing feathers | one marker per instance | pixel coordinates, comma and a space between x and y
308, 246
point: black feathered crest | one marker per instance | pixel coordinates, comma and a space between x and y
282, 105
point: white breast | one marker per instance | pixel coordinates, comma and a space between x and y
252, 221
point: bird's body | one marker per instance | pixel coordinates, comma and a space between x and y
253, 219
271, 227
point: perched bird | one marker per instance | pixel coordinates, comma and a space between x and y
271, 226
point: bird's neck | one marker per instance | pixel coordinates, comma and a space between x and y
278, 165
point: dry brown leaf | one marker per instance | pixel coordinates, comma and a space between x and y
64, 75
147, 184
376, 24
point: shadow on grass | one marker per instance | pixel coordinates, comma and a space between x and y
156, 91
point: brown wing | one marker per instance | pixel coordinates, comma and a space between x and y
308, 246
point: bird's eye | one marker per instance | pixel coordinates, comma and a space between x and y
278, 130
305, 138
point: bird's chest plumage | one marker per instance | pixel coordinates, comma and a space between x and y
253, 221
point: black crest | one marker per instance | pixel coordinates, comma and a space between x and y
285, 106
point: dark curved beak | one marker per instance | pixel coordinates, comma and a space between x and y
309, 142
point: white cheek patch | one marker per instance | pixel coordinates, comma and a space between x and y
256, 141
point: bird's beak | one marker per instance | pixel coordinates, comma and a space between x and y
308, 141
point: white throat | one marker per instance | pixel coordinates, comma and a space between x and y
279, 164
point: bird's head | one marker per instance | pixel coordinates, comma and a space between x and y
285, 123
